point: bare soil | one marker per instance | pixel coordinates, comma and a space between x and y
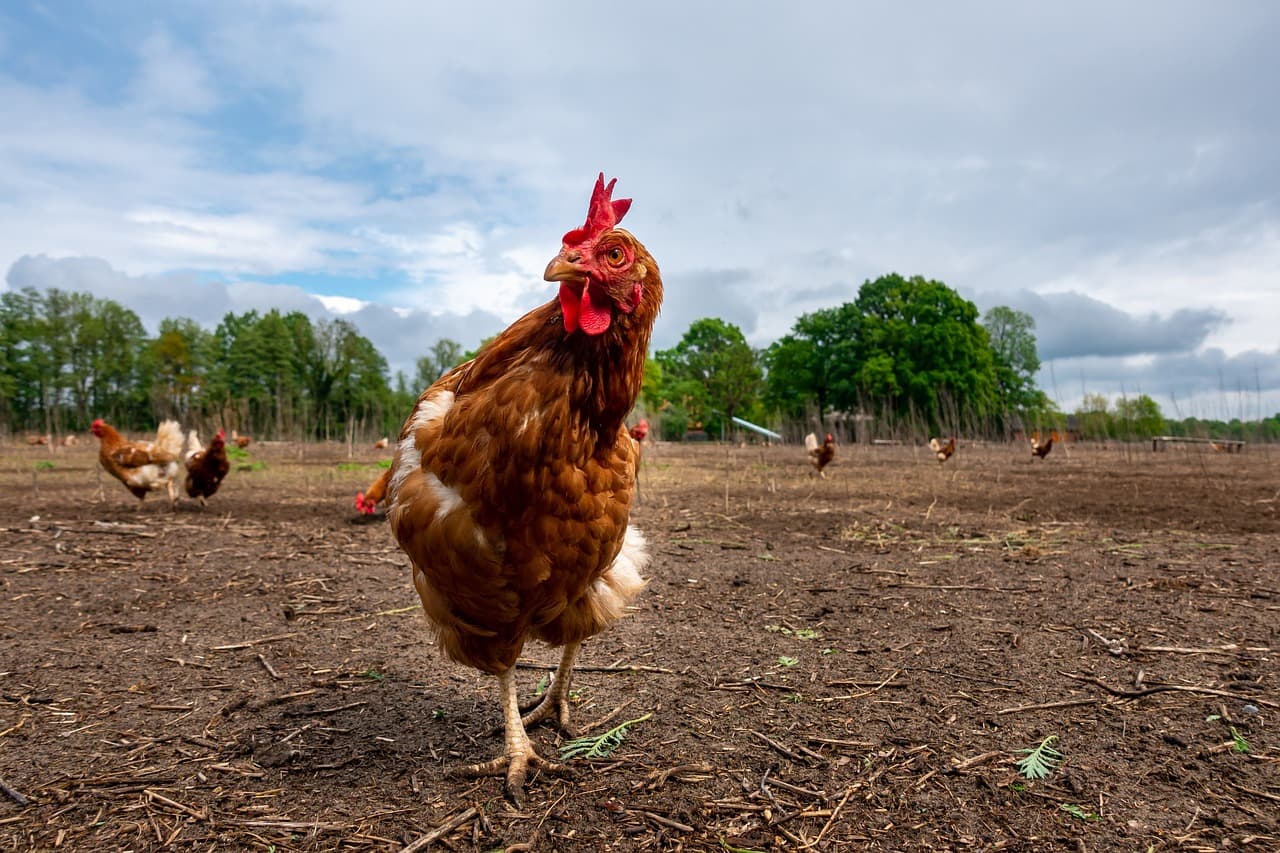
848, 663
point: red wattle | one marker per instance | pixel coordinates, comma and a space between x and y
580, 312
594, 318
569, 307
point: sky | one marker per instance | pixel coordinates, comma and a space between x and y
1111, 169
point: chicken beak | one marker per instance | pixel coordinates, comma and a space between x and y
565, 267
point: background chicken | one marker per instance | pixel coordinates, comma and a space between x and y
943, 451
640, 431
382, 444
143, 466
368, 500
820, 455
1041, 449
205, 468
512, 480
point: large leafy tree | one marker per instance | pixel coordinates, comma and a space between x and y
816, 363
1013, 342
712, 373
921, 352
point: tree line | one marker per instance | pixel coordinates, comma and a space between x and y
907, 357
68, 358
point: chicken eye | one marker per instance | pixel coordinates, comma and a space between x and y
615, 255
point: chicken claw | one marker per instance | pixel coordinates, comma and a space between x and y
519, 754
515, 766
555, 701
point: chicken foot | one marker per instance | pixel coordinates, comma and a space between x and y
518, 755
556, 698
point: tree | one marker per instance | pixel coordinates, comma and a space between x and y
816, 363
921, 352
1139, 417
178, 365
442, 356
713, 372
1013, 341
1093, 417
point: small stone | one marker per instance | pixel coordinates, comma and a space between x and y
1251, 710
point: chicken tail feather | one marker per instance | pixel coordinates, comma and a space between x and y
169, 440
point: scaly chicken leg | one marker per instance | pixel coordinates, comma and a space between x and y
519, 753
556, 699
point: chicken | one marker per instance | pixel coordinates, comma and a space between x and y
512, 480
943, 451
1041, 449
382, 444
640, 431
820, 455
143, 466
39, 440
205, 468
70, 440
368, 500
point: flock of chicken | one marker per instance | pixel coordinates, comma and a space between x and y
148, 466
512, 479
820, 455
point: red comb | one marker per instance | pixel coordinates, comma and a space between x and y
603, 214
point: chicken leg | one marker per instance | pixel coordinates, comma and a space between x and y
556, 699
518, 754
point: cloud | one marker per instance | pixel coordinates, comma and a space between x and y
427, 158
171, 79
1071, 325
1205, 384
402, 335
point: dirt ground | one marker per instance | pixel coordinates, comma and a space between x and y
841, 664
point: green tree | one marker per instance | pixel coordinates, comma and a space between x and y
816, 363
1093, 417
177, 357
921, 352
1139, 417
1013, 341
713, 372
442, 356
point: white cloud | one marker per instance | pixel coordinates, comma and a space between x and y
341, 304
437, 154
171, 79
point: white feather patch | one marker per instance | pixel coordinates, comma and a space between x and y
408, 459
447, 498
621, 582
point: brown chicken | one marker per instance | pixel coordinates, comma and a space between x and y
640, 431
382, 444
820, 455
39, 440
512, 481
143, 466
206, 467
1041, 449
368, 500
943, 451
